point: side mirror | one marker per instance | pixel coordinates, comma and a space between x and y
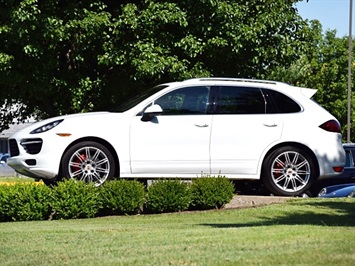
151, 112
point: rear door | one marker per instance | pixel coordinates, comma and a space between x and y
241, 130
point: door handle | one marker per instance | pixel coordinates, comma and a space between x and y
270, 125
201, 125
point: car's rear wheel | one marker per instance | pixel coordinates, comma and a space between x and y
289, 171
88, 161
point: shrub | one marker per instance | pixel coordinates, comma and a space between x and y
168, 196
121, 197
24, 202
74, 199
211, 192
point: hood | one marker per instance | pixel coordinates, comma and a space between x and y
92, 116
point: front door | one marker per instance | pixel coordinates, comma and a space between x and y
177, 141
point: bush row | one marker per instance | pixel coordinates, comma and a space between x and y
70, 199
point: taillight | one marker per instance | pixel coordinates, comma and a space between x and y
331, 126
338, 169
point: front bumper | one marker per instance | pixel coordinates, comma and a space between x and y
33, 157
19, 164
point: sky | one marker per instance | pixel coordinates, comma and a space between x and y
332, 14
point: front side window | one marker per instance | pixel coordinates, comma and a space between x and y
184, 101
239, 100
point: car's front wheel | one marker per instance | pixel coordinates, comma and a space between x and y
289, 171
88, 161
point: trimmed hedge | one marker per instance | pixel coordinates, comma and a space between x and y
121, 197
71, 200
211, 192
24, 202
74, 199
168, 196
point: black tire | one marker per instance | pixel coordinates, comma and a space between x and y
88, 161
289, 171
50, 182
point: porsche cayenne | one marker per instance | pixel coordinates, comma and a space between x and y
238, 128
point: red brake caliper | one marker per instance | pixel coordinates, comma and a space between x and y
78, 162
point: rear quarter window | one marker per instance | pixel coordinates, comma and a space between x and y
278, 103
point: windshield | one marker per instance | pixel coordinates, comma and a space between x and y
132, 100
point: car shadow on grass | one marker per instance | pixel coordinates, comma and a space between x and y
340, 214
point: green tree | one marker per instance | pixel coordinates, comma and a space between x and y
324, 66
49, 50
59, 57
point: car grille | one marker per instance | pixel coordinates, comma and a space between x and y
32, 146
14, 151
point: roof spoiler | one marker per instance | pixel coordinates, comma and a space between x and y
308, 92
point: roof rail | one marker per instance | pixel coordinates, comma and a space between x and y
237, 80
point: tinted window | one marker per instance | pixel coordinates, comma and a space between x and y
279, 103
353, 159
190, 100
350, 157
239, 100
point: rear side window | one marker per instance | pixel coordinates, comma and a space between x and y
278, 103
239, 100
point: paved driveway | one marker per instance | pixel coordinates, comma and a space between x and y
6, 170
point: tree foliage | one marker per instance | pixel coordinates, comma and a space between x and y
59, 56
323, 66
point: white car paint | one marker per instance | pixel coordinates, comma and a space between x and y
188, 146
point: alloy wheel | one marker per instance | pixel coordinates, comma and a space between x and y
89, 164
290, 171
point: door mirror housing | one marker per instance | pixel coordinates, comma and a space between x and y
151, 112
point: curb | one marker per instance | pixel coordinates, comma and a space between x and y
239, 201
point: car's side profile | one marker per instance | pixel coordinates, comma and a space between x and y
243, 129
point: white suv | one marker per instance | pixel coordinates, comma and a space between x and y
241, 129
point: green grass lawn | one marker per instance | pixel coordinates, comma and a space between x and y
15, 179
302, 232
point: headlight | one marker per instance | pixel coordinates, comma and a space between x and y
46, 127
322, 192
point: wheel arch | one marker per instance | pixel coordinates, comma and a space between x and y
102, 142
293, 144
